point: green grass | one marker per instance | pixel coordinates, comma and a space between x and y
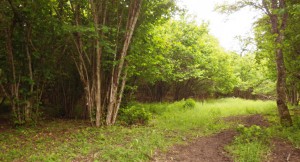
291, 134
254, 151
245, 149
251, 145
62, 140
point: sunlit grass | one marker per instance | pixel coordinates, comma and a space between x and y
254, 151
205, 114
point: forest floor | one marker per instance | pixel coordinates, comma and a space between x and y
215, 131
212, 148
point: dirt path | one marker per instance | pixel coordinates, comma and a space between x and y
206, 149
211, 148
284, 152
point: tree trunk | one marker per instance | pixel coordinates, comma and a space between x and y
14, 84
120, 96
133, 15
97, 79
278, 24
29, 100
84, 67
284, 114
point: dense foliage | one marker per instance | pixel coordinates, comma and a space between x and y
82, 59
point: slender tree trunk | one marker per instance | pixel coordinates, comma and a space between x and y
84, 67
29, 101
133, 15
14, 87
97, 80
120, 96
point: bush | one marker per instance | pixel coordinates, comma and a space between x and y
156, 109
134, 115
189, 104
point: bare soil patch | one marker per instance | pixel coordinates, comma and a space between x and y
203, 149
284, 151
211, 148
248, 120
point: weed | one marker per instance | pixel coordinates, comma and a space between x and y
253, 133
251, 145
248, 152
189, 104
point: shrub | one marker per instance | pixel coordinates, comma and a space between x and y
189, 104
135, 115
156, 109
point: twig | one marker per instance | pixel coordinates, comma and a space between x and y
288, 158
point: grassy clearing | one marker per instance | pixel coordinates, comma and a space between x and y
61, 140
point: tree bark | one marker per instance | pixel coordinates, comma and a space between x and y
120, 96
133, 15
97, 79
84, 67
14, 83
284, 114
278, 25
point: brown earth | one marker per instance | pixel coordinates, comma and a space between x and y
284, 152
211, 148
248, 120
205, 149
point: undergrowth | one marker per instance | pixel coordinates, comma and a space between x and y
291, 134
254, 143
170, 123
251, 145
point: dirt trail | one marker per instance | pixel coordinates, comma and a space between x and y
211, 148
284, 152
206, 149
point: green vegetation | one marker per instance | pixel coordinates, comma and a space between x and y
251, 145
80, 80
68, 60
290, 133
189, 104
62, 140
254, 143
135, 115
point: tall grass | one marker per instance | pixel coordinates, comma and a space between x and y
204, 115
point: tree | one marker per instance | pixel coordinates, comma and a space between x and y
277, 13
180, 59
114, 98
26, 70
